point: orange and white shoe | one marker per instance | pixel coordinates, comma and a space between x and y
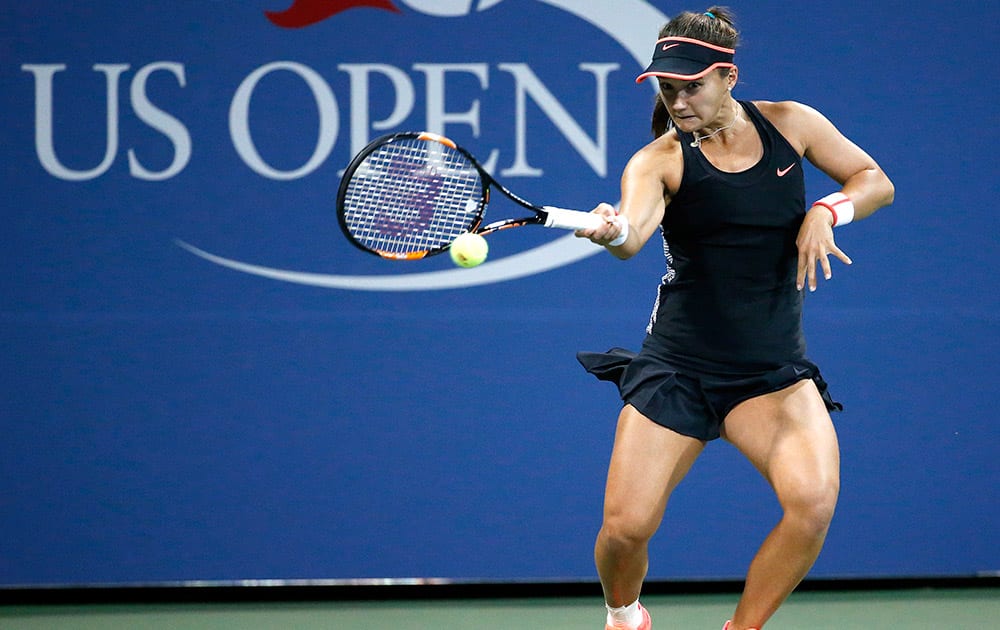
647, 623
729, 623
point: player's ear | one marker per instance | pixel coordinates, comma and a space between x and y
732, 78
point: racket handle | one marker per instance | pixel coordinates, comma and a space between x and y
571, 219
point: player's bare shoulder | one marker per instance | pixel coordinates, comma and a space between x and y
793, 120
660, 159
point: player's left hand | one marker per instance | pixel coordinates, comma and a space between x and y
815, 243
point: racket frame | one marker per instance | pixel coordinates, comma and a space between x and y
548, 216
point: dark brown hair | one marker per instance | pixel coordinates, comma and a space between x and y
719, 28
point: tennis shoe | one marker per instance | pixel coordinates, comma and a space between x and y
647, 623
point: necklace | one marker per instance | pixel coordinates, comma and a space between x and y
699, 139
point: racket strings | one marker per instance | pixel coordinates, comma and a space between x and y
411, 196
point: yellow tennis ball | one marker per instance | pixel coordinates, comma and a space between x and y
469, 250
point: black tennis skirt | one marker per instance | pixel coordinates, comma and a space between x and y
690, 396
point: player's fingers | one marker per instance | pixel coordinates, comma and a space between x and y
605, 209
598, 234
824, 262
800, 276
815, 260
844, 258
609, 232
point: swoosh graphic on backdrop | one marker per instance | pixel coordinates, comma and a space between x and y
618, 20
560, 252
305, 12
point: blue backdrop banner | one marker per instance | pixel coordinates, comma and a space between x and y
201, 379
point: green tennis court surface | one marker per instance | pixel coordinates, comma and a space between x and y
937, 609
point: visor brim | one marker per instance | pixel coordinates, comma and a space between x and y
680, 72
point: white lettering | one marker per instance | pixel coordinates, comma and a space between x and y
398, 91
527, 83
361, 102
437, 116
44, 145
161, 121
239, 120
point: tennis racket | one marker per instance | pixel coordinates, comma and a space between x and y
410, 195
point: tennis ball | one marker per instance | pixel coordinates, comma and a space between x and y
469, 250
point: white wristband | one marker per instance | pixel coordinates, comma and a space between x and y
623, 222
840, 205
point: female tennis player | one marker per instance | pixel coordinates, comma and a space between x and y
724, 354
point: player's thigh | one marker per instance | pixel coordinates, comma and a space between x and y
647, 463
789, 437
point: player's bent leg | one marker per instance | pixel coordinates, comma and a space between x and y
647, 463
790, 439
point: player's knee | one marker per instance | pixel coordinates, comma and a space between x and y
625, 532
811, 507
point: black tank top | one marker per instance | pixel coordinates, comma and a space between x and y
729, 295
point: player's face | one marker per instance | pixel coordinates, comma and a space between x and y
696, 104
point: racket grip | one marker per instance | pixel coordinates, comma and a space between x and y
571, 219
